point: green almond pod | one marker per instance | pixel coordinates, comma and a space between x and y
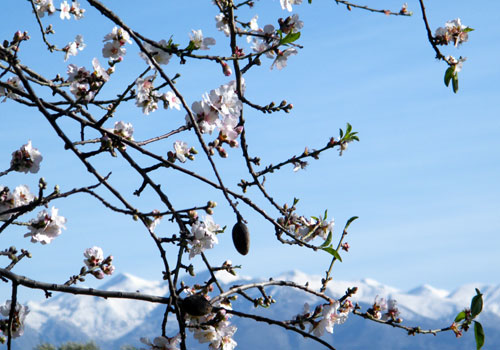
196, 305
241, 238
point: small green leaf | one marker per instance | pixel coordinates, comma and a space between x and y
448, 75
476, 305
326, 214
455, 83
348, 129
460, 316
479, 335
349, 222
328, 241
333, 252
468, 29
191, 46
341, 132
290, 38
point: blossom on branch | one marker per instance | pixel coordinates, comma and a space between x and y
287, 4
330, 317
282, 58
163, 343
159, 56
26, 159
16, 83
198, 42
453, 31
20, 312
46, 226
43, 6
93, 256
114, 43
204, 236
72, 48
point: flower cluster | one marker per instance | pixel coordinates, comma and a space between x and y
391, 308
114, 44
26, 159
324, 317
74, 9
44, 6
46, 226
163, 343
73, 47
15, 82
307, 229
214, 328
84, 84
9, 200
453, 31
147, 97
221, 108
204, 236
267, 44
17, 326
98, 266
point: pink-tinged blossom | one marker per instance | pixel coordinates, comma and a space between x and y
199, 42
282, 57
159, 56
93, 256
46, 226
14, 82
44, 6
146, 96
330, 317
287, 4
65, 8
206, 116
76, 10
163, 343
204, 236
26, 159
453, 31
20, 312
172, 100
99, 71
114, 43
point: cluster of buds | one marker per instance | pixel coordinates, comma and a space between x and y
96, 265
453, 31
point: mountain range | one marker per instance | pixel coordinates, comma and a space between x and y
114, 323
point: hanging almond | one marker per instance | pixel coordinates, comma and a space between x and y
196, 305
241, 238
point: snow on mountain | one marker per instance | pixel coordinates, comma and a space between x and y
97, 317
115, 321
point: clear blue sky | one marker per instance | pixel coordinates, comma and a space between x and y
423, 179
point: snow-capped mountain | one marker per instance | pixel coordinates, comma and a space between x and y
116, 322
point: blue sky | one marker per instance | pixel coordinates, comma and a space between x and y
423, 179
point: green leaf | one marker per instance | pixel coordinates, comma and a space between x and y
290, 38
460, 316
448, 75
476, 305
328, 241
479, 335
349, 222
468, 29
333, 252
348, 129
341, 132
191, 46
455, 83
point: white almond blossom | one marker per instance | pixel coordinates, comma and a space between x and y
73, 47
160, 56
22, 195
16, 83
26, 159
163, 343
172, 100
146, 96
43, 6
287, 4
65, 8
93, 256
204, 236
114, 43
181, 150
221, 24
124, 130
199, 42
46, 226
20, 312
330, 317
282, 57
